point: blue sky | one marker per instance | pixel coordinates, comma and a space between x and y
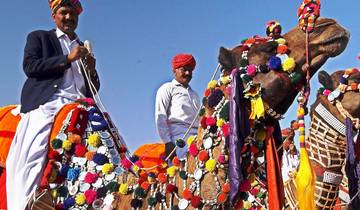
135, 40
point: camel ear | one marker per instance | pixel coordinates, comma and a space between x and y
325, 80
225, 58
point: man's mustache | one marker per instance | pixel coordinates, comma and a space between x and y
69, 21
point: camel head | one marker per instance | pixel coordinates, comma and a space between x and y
350, 99
327, 40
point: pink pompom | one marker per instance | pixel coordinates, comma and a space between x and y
326, 92
90, 196
91, 178
210, 121
251, 70
89, 101
225, 129
193, 150
228, 90
126, 163
245, 186
222, 159
138, 163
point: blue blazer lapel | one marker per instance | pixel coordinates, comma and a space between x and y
54, 40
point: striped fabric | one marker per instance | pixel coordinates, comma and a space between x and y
56, 4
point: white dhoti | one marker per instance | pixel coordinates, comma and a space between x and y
28, 151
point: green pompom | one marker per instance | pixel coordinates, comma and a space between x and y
56, 143
243, 62
246, 78
140, 192
321, 90
224, 112
204, 100
183, 175
63, 191
202, 112
152, 201
175, 207
113, 186
260, 195
295, 77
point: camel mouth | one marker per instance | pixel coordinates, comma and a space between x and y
332, 45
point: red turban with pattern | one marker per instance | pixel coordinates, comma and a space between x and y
56, 4
183, 60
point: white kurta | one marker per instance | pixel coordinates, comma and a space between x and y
290, 163
28, 151
176, 107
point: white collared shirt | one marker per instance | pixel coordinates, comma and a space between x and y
73, 86
175, 108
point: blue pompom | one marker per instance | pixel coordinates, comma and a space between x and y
215, 97
152, 174
180, 143
134, 158
69, 202
73, 174
275, 63
100, 159
64, 170
343, 80
136, 203
97, 120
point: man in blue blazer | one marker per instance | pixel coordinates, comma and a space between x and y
53, 63
45, 64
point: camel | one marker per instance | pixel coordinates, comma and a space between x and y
201, 181
329, 144
329, 39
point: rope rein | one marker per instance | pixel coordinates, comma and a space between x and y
98, 102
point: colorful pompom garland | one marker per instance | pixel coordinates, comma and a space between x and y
88, 169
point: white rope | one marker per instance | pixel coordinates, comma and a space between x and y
101, 106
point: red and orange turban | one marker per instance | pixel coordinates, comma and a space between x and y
56, 4
183, 60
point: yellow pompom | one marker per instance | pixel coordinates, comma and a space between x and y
212, 84
190, 140
225, 80
301, 138
210, 165
80, 199
171, 171
247, 205
54, 193
300, 111
123, 189
301, 129
107, 168
260, 135
289, 64
254, 183
135, 168
219, 122
281, 41
94, 140
164, 164
66, 145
